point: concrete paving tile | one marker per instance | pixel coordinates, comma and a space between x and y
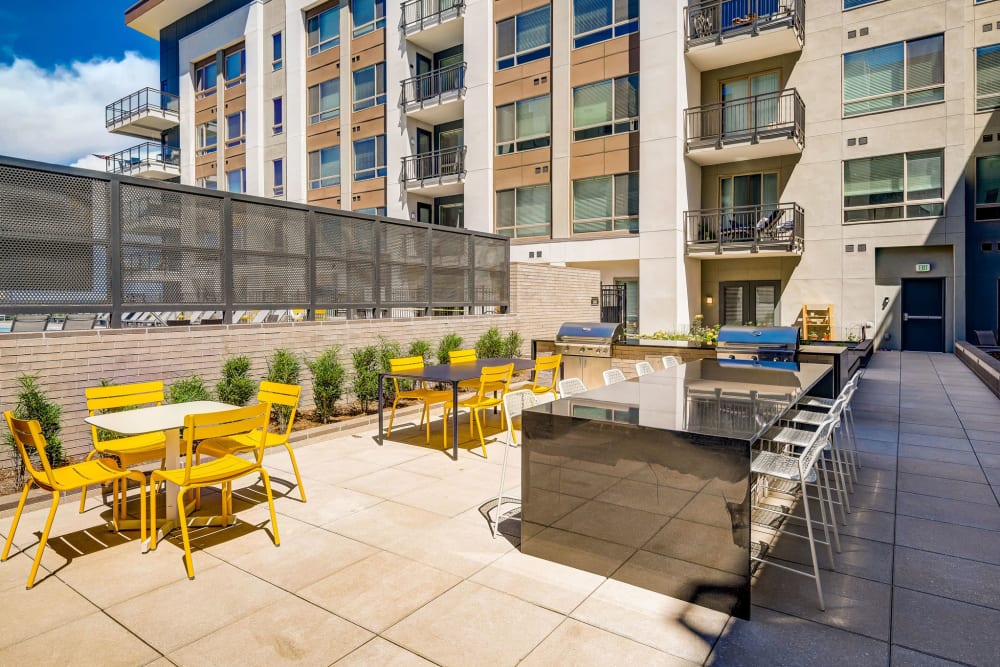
882, 447
904, 657
958, 443
985, 436
679, 628
869, 559
984, 447
469, 546
992, 475
380, 590
948, 539
946, 628
929, 430
579, 644
988, 460
50, 605
388, 482
772, 638
506, 628
947, 576
598, 556
967, 458
948, 511
946, 488
647, 497
288, 632
962, 473
877, 478
881, 461
93, 639
872, 498
387, 524
869, 525
452, 496
384, 654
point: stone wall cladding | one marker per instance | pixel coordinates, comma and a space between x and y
542, 298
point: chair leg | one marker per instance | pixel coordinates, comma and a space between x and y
153, 486
812, 545
141, 478
479, 425
83, 490
270, 505
44, 539
17, 518
295, 466
495, 526
425, 419
392, 415
188, 563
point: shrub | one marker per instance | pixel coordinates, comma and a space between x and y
33, 404
188, 389
236, 386
283, 367
369, 361
512, 344
421, 348
490, 344
449, 343
329, 377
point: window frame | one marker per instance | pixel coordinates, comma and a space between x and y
862, 3
201, 78
321, 115
205, 181
277, 51
614, 218
371, 26
514, 228
317, 181
631, 122
321, 44
376, 99
995, 96
517, 57
242, 77
372, 210
241, 138
614, 29
278, 115
905, 92
242, 171
516, 142
379, 170
905, 203
201, 138
985, 206
278, 177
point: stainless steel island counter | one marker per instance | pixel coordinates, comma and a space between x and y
648, 481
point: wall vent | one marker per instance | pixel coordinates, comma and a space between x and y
863, 32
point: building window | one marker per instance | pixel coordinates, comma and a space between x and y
851, 4
208, 137
600, 20
894, 187
988, 188
236, 128
278, 126
524, 125
208, 182
369, 86
523, 38
236, 68
988, 77
374, 210
606, 107
324, 31
606, 204
369, 158
205, 79
324, 101
324, 167
893, 76
368, 15
279, 177
525, 212
277, 53
236, 180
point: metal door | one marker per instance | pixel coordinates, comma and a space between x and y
923, 314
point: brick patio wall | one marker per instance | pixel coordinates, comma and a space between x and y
542, 297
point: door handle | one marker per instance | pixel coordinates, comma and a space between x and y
907, 317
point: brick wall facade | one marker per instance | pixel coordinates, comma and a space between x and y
542, 297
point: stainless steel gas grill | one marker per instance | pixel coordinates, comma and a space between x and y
774, 347
586, 349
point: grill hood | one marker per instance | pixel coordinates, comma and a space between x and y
608, 332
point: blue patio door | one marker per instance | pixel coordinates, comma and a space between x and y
923, 314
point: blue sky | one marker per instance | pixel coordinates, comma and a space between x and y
61, 63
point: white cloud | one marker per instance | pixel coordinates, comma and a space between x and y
58, 115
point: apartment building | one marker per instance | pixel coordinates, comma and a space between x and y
834, 153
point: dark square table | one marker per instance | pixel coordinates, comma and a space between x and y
449, 374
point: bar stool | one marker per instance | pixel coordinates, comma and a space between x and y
613, 376
644, 368
670, 361
571, 386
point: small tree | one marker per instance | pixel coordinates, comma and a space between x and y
490, 344
366, 370
449, 343
512, 344
422, 349
236, 386
329, 377
283, 367
188, 389
33, 404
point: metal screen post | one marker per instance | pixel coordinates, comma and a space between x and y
115, 243
474, 297
311, 263
429, 278
506, 269
377, 291
227, 260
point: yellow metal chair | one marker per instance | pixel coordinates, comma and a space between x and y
274, 393
428, 396
130, 450
221, 430
492, 378
28, 436
464, 357
546, 375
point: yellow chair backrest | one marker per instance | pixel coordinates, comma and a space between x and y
402, 365
547, 372
491, 375
461, 356
252, 419
28, 433
119, 396
277, 393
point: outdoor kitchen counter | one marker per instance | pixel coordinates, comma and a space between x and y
648, 481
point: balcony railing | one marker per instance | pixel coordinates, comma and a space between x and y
133, 161
436, 165
750, 119
142, 101
712, 21
434, 85
775, 227
418, 14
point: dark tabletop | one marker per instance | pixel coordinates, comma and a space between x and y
458, 372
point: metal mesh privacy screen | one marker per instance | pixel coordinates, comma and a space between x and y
491, 270
270, 262
451, 264
403, 264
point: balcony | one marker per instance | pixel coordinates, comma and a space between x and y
437, 96
149, 160
438, 173
774, 229
721, 33
145, 114
760, 126
433, 24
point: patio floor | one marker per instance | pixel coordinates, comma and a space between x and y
391, 563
